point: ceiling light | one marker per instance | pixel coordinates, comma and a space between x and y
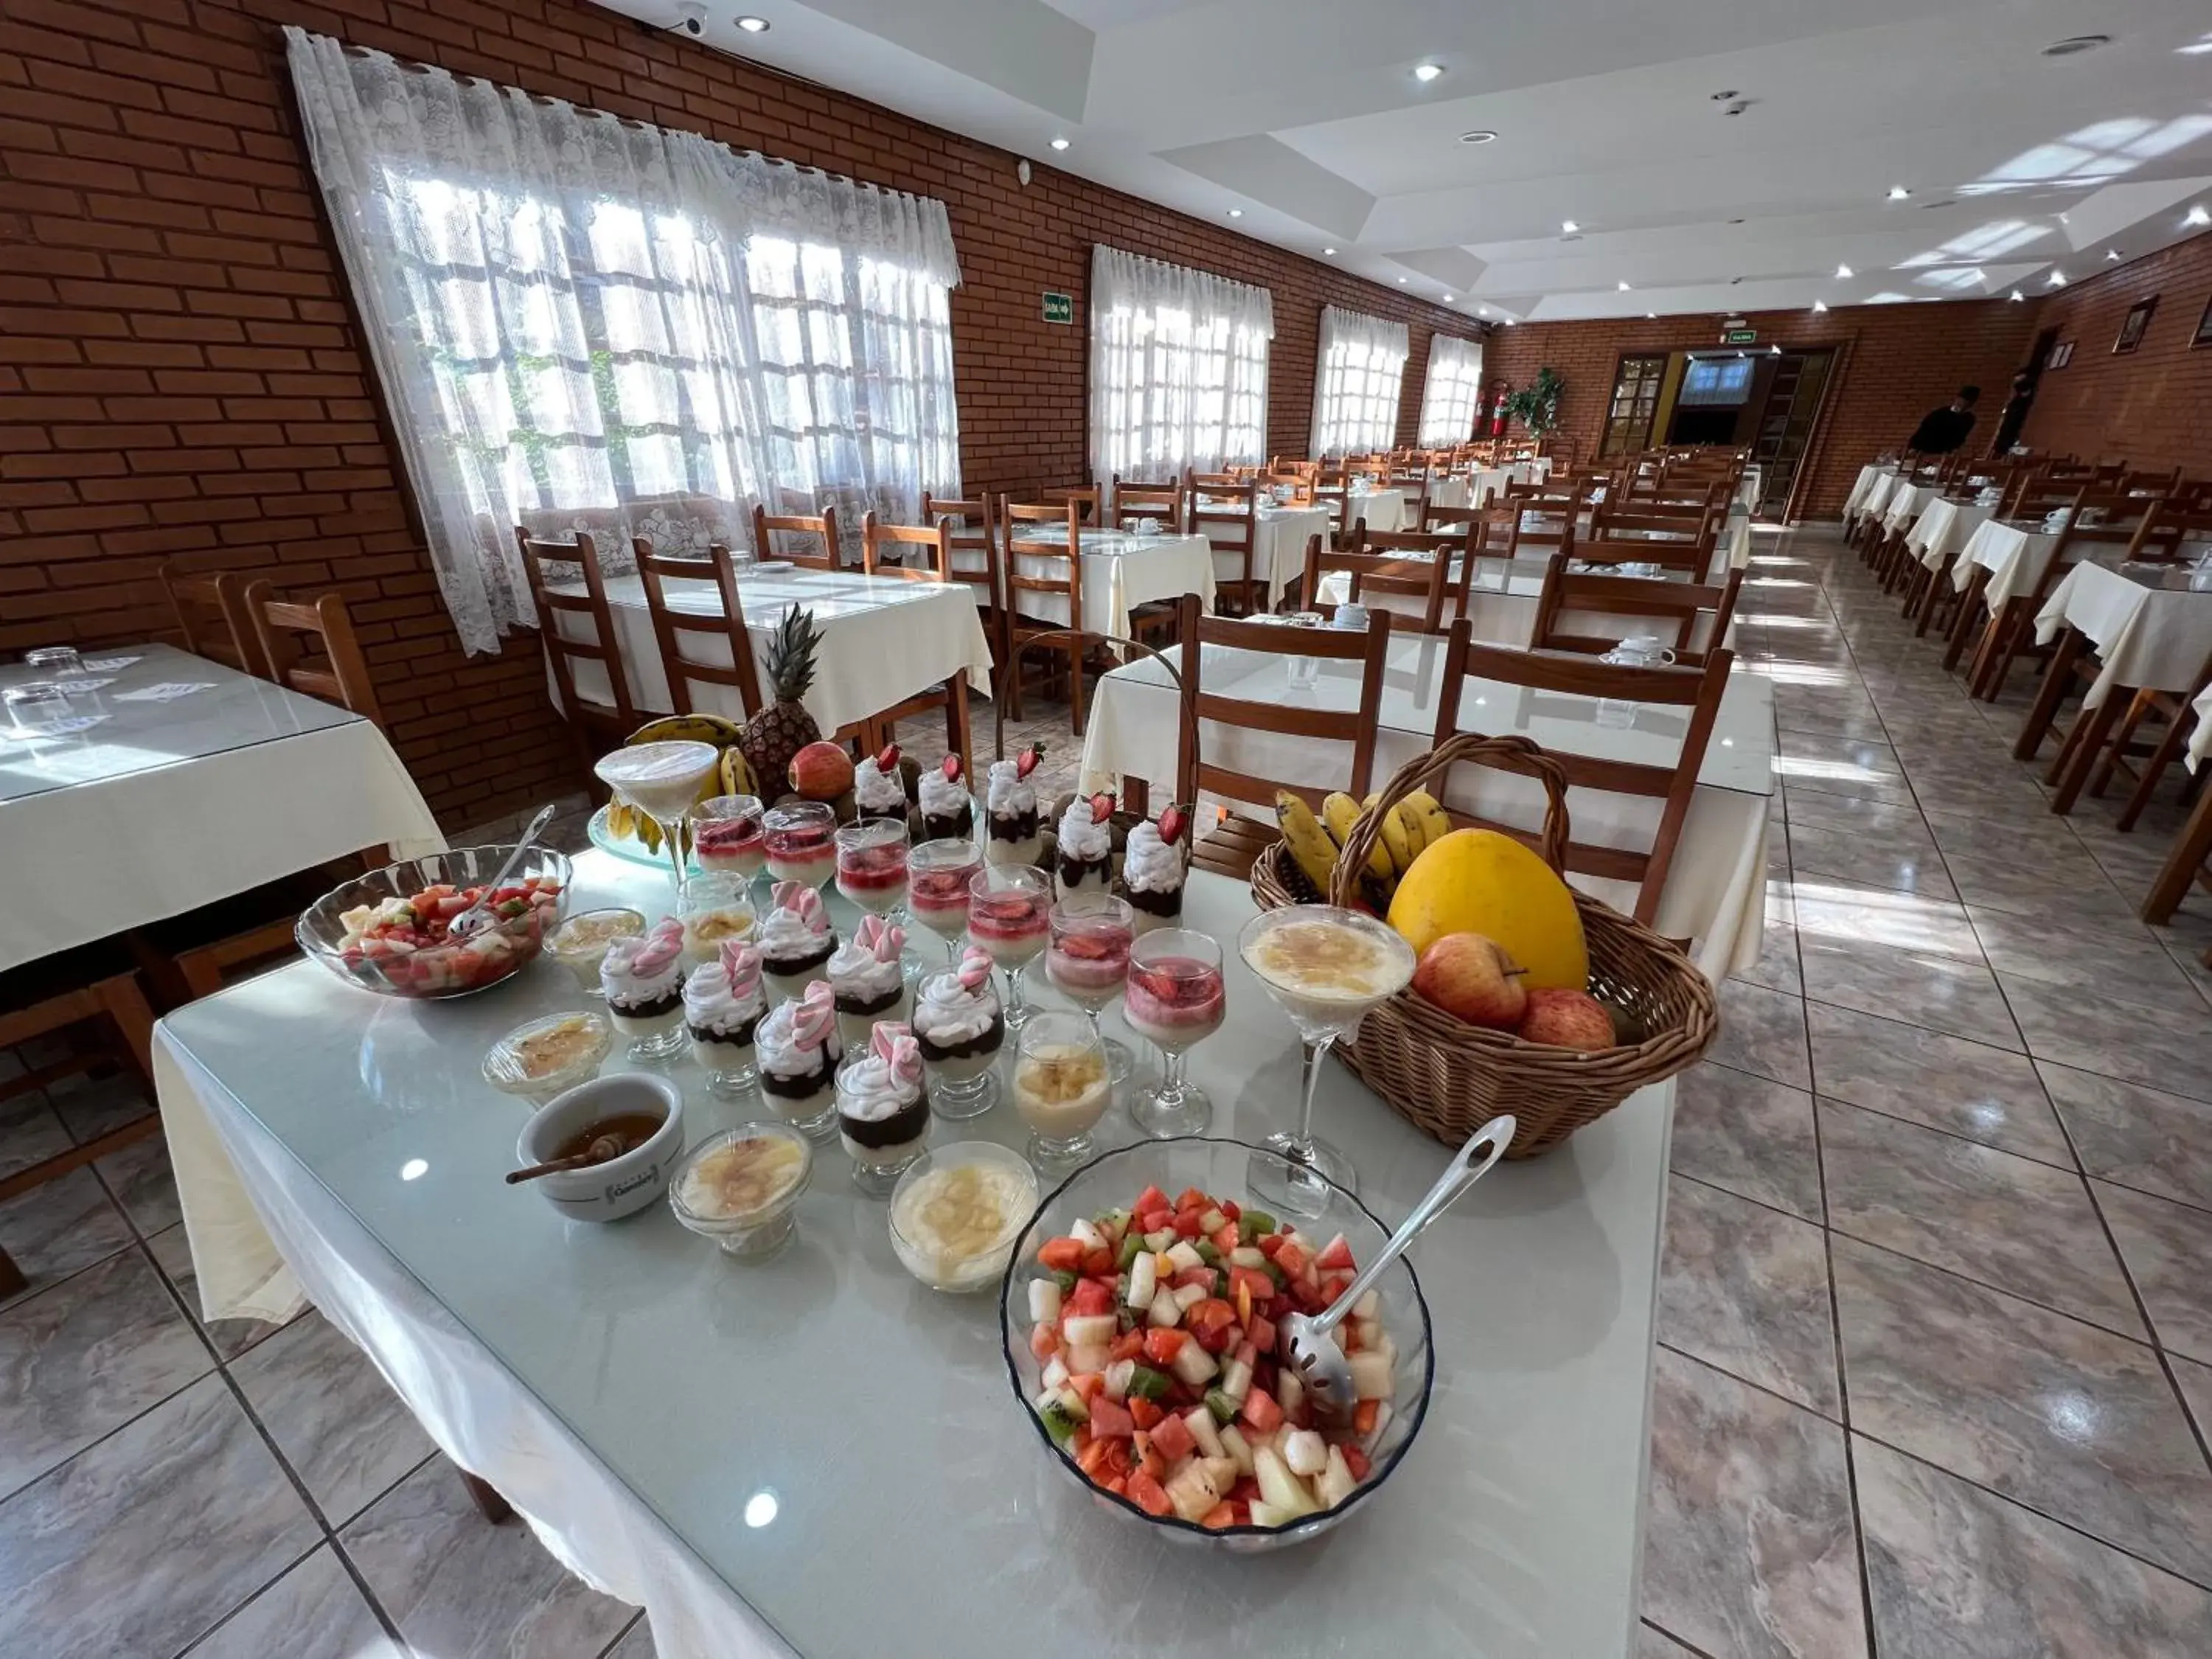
1447, 299
1403, 281
1568, 226
2057, 279
1482, 311
2076, 43
1650, 316
1329, 253
1236, 213
2111, 256
1898, 192
753, 25
1059, 144
1480, 136
2195, 47
2016, 295
1842, 273
2196, 215
1819, 305
1624, 288
1509, 322
1426, 73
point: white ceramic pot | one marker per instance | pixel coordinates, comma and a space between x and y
609, 1191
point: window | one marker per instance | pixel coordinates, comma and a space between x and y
1178, 368
587, 324
1716, 380
1453, 392
1362, 359
1635, 405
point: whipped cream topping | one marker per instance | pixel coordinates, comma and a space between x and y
959, 1005
1011, 793
724, 996
1149, 864
798, 926
942, 797
645, 966
885, 1080
1082, 836
796, 1034
868, 965
875, 790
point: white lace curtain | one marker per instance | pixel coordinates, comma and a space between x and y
1452, 390
1178, 368
586, 324
1362, 359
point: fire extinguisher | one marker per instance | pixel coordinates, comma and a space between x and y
1497, 414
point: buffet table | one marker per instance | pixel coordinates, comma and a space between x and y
100, 824
816, 1456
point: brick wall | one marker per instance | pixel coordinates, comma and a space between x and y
179, 368
2153, 407
1902, 359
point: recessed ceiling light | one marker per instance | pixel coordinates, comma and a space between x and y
1842, 273
2057, 279
1568, 226
1819, 305
1898, 192
2016, 295
2076, 43
1650, 316
1509, 322
1482, 311
1447, 299
1480, 136
1059, 144
1403, 281
2195, 47
1426, 73
2196, 215
1236, 213
1329, 253
1624, 288
2111, 256
753, 25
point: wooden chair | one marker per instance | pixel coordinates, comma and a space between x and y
2174, 710
1084, 498
1228, 517
972, 532
2188, 864
1133, 501
878, 541
1298, 488
333, 669
1052, 569
1698, 690
741, 674
1681, 542
594, 724
1374, 576
820, 527
1693, 611
1230, 847
2010, 632
210, 606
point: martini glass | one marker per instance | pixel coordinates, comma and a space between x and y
1173, 997
661, 780
1325, 967
1009, 919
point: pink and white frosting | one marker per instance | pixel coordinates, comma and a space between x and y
959, 1005
886, 1080
797, 926
724, 996
868, 965
1083, 838
796, 1036
644, 967
875, 790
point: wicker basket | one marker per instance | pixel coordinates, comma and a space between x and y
1449, 1077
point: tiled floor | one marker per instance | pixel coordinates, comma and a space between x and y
1935, 1364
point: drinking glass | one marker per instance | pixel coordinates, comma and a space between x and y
1325, 967
1062, 1088
1176, 998
1088, 959
660, 780
714, 905
938, 875
1009, 919
801, 842
38, 709
871, 865
728, 835
60, 662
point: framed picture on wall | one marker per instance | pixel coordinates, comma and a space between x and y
2203, 335
2132, 326
2062, 352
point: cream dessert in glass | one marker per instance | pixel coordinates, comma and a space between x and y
715, 908
800, 836
1089, 958
1012, 832
1009, 915
724, 1004
868, 979
1325, 967
579, 944
883, 1108
728, 835
642, 979
660, 780
795, 938
1175, 998
879, 788
1083, 860
1062, 1088
871, 865
1154, 865
796, 1049
960, 1026
948, 810
937, 877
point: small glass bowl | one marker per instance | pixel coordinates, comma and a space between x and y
756, 1232
579, 944
982, 1266
507, 1070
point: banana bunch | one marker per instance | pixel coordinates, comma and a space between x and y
1317, 840
732, 776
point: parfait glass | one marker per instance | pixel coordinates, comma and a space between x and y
872, 866
1175, 998
801, 843
661, 780
1088, 960
726, 835
1062, 1088
1009, 919
937, 877
1325, 967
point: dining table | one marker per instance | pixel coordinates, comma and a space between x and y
181, 781
1501, 599
1715, 891
816, 1456
1279, 535
1943, 528
1121, 570
884, 639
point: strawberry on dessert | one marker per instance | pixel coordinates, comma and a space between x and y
938, 875
868, 980
797, 1049
800, 843
795, 938
736, 844
947, 809
1153, 869
1010, 812
1174, 1001
1085, 859
1089, 954
879, 788
1012, 923
871, 864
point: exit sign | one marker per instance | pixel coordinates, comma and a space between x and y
1059, 308
1740, 337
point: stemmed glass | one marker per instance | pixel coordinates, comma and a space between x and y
801, 839
871, 865
1088, 960
726, 834
1009, 912
938, 876
1062, 1088
1175, 998
1325, 967
660, 780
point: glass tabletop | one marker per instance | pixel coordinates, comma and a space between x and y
913, 1510
156, 705
830, 594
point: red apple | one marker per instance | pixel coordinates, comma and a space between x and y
1567, 1019
1471, 977
821, 771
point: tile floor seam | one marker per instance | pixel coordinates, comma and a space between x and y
1935, 1128
259, 1591
1690, 1648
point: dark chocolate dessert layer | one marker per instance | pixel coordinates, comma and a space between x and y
797, 1088
907, 1123
990, 1042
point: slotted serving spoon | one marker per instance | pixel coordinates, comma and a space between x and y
477, 916
1310, 1339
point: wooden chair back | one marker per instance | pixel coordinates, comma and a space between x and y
970, 528
564, 650
821, 528
1217, 483
1675, 541
1694, 611
883, 551
1696, 689
1083, 497
1063, 563
1133, 502
333, 668
671, 626
1377, 573
1227, 515
1297, 487
2167, 530
1369, 647
210, 606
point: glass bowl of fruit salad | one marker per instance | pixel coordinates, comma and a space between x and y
1138, 1315
388, 931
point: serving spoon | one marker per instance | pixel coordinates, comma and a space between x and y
477, 916
1309, 1340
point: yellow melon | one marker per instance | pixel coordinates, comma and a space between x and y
1477, 881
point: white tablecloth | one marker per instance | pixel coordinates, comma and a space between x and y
2014, 555
1384, 509
2200, 739
169, 804
883, 640
1501, 605
2148, 638
1905, 502
1943, 528
1864, 487
1278, 548
1715, 892
1120, 571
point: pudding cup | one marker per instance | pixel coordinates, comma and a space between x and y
857, 1017
740, 1188
788, 977
579, 944
881, 1148
808, 1104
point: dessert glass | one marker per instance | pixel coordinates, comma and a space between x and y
867, 981
740, 1188
958, 1065
871, 865
1089, 958
938, 875
1009, 919
1062, 1088
882, 1145
955, 1213
544, 1057
579, 944
1174, 998
794, 952
642, 979
795, 1055
727, 834
800, 839
660, 780
713, 906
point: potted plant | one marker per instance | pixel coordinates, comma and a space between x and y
1537, 406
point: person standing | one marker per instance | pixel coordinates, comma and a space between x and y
1943, 430
2014, 414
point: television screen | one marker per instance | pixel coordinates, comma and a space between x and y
1709, 380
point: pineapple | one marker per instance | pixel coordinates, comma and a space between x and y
772, 737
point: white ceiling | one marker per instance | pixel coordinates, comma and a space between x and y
1305, 114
